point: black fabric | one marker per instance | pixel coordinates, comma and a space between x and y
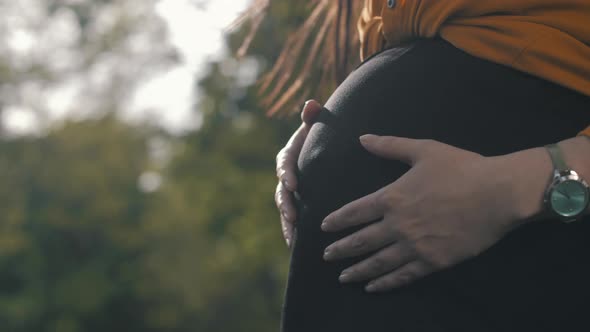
535, 279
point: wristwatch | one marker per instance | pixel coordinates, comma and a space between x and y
568, 195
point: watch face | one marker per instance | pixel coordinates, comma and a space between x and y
569, 198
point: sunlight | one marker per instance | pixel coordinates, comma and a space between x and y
197, 34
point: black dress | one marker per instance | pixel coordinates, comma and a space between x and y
535, 279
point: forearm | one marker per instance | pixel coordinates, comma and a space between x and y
528, 173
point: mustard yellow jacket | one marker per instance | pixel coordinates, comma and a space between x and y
546, 38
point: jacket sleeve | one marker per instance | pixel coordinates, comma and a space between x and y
369, 26
409, 19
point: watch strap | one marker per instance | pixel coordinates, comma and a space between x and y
557, 157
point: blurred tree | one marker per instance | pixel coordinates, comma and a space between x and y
56, 55
69, 241
85, 247
226, 257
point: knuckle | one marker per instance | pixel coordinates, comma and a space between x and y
427, 141
378, 264
279, 198
375, 204
424, 141
281, 172
382, 200
404, 230
389, 199
438, 261
357, 243
283, 160
404, 278
289, 154
393, 230
280, 156
347, 215
278, 191
284, 228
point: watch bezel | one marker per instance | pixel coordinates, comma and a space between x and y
559, 177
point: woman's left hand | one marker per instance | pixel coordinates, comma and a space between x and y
450, 206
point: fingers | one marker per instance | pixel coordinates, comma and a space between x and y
370, 238
287, 158
287, 211
361, 211
407, 150
284, 202
402, 276
311, 110
288, 233
381, 262
286, 161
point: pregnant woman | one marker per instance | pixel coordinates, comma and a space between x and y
439, 222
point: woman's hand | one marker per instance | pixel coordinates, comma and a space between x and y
286, 165
450, 206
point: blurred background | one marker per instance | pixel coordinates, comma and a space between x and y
137, 167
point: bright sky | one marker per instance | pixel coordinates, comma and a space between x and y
196, 31
195, 28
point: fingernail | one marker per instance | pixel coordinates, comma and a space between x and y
306, 103
344, 276
288, 240
367, 138
326, 221
371, 287
327, 253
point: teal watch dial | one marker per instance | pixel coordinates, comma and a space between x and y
569, 198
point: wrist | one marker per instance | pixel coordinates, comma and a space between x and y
530, 172
526, 176
576, 153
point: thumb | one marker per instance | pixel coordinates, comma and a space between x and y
310, 112
404, 149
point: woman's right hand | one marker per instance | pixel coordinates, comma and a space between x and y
286, 166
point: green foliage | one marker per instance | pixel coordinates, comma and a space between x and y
71, 206
83, 248
94, 52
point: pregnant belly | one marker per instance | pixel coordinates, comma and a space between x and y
430, 90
